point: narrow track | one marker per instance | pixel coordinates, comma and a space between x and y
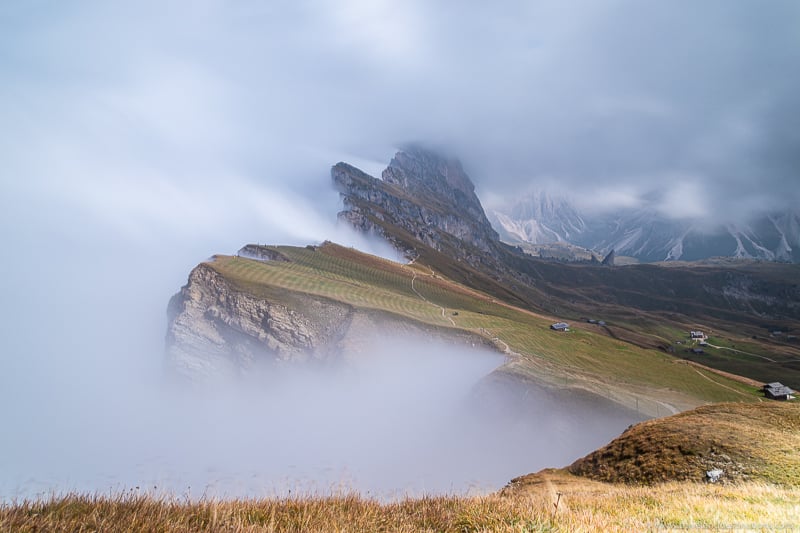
413, 288
742, 352
721, 385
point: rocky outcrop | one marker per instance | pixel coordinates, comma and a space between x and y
215, 329
421, 196
261, 253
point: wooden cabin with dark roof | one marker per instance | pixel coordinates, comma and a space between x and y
777, 391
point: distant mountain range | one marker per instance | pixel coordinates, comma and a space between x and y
544, 219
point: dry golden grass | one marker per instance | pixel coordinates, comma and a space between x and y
759, 442
310, 514
528, 504
586, 505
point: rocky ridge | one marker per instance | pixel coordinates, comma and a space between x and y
427, 197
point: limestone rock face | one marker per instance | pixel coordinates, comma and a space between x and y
428, 176
428, 196
215, 329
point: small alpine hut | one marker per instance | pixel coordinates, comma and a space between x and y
560, 326
777, 391
697, 336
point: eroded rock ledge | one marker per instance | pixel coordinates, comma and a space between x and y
214, 328
218, 329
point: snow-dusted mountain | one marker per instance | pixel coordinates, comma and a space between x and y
542, 219
646, 235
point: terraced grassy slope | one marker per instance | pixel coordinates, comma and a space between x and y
647, 380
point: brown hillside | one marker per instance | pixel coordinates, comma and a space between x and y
747, 441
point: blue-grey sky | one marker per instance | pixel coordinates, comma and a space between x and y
138, 138
152, 113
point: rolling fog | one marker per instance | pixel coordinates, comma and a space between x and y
400, 417
140, 139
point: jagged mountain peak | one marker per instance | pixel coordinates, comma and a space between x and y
427, 195
419, 169
427, 174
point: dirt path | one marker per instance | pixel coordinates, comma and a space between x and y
721, 385
413, 288
506, 348
743, 352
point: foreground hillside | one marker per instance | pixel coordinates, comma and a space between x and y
758, 442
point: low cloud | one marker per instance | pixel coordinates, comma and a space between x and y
685, 199
400, 417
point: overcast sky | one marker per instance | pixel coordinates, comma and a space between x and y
138, 138
151, 114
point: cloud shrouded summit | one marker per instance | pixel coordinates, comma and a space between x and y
138, 139
610, 99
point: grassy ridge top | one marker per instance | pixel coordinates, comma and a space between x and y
746, 441
648, 380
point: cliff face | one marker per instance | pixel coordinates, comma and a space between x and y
428, 197
215, 329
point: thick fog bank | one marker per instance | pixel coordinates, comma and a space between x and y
85, 405
399, 417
